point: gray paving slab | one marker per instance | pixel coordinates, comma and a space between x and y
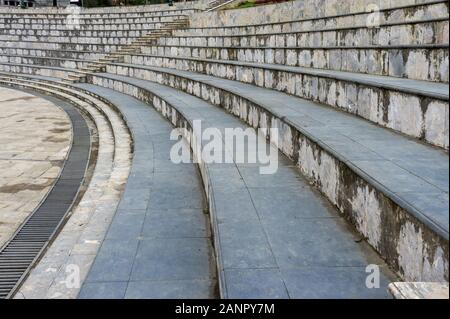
332, 283
158, 244
355, 134
103, 290
263, 229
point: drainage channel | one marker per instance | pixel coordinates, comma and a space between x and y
18, 256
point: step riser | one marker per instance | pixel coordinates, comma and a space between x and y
114, 138
178, 120
436, 33
392, 16
46, 62
102, 48
419, 64
51, 53
388, 228
78, 33
427, 123
62, 23
430, 63
73, 40
88, 16
410, 114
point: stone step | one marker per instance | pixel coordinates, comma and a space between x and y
394, 13
398, 33
422, 63
261, 254
360, 94
102, 48
70, 40
427, 63
104, 192
419, 290
84, 18
199, 279
160, 234
24, 28
65, 22
436, 96
404, 187
74, 54
77, 33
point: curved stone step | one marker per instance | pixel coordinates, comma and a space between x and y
69, 54
373, 176
264, 251
415, 108
103, 48
158, 245
392, 13
379, 187
426, 63
117, 41
85, 21
148, 26
88, 221
417, 62
37, 31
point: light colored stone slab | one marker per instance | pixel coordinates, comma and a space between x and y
419, 290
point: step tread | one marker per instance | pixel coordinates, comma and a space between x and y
426, 88
152, 245
412, 174
249, 203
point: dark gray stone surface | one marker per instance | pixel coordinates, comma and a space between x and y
392, 160
267, 227
158, 244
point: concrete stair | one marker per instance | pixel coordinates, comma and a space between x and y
362, 116
133, 47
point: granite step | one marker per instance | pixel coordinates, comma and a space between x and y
275, 236
395, 12
403, 105
158, 244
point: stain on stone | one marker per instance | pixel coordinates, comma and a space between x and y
15, 188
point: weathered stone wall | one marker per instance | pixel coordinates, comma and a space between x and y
293, 10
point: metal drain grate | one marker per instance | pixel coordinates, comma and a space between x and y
18, 255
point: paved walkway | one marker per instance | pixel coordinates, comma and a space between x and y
35, 137
276, 236
158, 244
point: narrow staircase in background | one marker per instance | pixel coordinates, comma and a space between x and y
134, 47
